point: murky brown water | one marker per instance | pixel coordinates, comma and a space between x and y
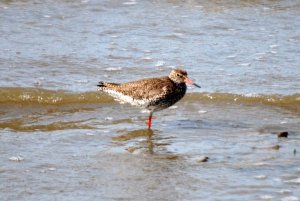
60, 139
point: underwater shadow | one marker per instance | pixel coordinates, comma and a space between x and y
132, 135
146, 141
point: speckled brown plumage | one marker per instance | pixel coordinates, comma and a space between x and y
153, 94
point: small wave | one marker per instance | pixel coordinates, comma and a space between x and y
20, 125
52, 97
44, 96
290, 102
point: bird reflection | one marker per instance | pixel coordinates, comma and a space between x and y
148, 133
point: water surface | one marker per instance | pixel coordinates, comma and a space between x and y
62, 139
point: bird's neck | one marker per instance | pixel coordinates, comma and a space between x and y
180, 86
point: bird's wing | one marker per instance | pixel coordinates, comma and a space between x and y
143, 89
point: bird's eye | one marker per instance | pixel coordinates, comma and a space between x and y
178, 75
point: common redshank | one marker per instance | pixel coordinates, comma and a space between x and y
153, 94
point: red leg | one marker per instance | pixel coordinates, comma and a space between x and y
149, 120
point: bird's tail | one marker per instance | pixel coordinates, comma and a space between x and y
101, 84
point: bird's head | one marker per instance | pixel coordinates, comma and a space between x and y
179, 76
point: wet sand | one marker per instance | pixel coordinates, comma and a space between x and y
108, 155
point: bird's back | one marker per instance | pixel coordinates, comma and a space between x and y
151, 93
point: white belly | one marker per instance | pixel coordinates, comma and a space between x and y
128, 99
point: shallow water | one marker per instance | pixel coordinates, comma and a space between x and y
61, 139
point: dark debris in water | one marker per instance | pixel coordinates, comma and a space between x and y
276, 147
203, 159
283, 134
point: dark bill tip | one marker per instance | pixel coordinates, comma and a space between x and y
196, 85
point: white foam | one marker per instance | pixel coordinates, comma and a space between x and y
285, 191
130, 3
260, 164
254, 95
147, 58
290, 198
209, 96
294, 181
16, 158
277, 180
113, 69
260, 53
160, 63
266, 197
244, 64
197, 6
261, 177
82, 81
